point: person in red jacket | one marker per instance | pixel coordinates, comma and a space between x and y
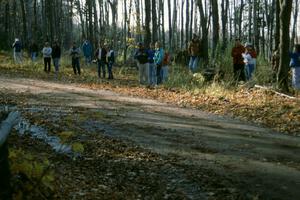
238, 61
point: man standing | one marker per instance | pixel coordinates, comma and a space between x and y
17, 46
33, 48
101, 54
141, 56
47, 52
87, 52
194, 49
56, 54
238, 61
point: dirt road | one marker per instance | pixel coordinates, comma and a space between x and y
255, 161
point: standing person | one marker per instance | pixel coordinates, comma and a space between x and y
253, 55
238, 61
194, 49
17, 46
158, 59
141, 56
164, 72
110, 62
75, 54
56, 54
47, 51
33, 49
101, 54
87, 52
249, 62
295, 65
152, 66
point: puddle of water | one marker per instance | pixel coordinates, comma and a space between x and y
40, 133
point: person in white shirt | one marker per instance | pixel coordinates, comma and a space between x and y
249, 63
47, 52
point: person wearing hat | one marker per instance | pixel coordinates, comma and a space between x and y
238, 61
194, 50
17, 46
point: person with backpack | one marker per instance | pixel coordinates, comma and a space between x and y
33, 50
101, 54
152, 66
158, 59
295, 66
17, 46
87, 52
56, 54
194, 50
75, 55
110, 62
47, 52
141, 56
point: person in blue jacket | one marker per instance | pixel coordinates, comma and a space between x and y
87, 52
295, 65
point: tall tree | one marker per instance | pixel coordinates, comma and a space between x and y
216, 28
147, 22
285, 17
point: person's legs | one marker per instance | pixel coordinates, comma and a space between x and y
56, 65
45, 64
74, 65
165, 73
141, 66
99, 68
251, 70
296, 78
109, 68
78, 66
33, 56
151, 73
191, 63
195, 64
146, 74
49, 64
158, 74
103, 69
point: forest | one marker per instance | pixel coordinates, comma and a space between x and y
149, 99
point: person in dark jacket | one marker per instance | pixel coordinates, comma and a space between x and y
75, 55
33, 49
17, 46
110, 62
47, 53
56, 54
87, 52
142, 57
100, 55
152, 66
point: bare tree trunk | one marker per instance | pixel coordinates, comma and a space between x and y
215, 17
170, 23
285, 17
154, 21
294, 24
147, 23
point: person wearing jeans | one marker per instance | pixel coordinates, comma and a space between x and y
33, 48
17, 46
158, 59
110, 62
141, 56
87, 52
56, 54
47, 52
194, 52
75, 54
152, 66
101, 54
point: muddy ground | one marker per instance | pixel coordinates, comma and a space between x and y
144, 149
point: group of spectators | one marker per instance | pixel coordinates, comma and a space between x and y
153, 61
152, 64
104, 56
